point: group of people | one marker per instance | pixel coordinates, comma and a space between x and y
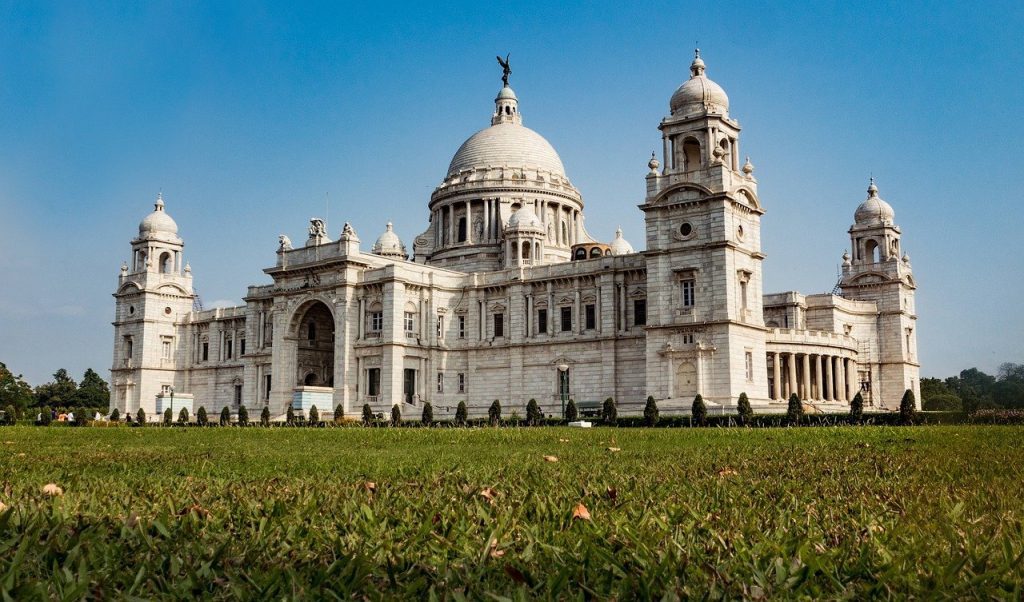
66, 416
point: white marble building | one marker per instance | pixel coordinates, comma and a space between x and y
506, 296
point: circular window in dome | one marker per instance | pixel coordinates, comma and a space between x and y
167, 310
131, 309
686, 229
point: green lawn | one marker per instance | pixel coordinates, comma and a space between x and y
286, 513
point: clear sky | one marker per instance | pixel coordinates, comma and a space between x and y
250, 116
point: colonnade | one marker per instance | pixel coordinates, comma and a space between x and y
812, 376
488, 210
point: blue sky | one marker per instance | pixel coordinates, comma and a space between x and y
250, 116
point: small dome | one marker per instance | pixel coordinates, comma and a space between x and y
158, 222
524, 218
389, 245
506, 93
699, 94
620, 246
874, 210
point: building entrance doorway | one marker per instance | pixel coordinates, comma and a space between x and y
410, 384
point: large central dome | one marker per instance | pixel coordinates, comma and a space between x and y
508, 144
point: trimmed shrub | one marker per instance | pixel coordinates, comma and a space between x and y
367, 415
699, 411
140, 416
461, 414
609, 413
650, 412
908, 408
225, 416
289, 416
314, 416
494, 413
114, 415
265, 416
201, 418
533, 414
243, 416
943, 402
428, 414
10, 415
857, 408
82, 416
46, 416
571, 413
743, 410
183, 416
168, 416
339, 413
795, 410
396, 415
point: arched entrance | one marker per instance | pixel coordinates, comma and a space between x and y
686, 380
315, 346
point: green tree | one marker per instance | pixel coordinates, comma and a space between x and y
650, 412
396, 415
744, 413
609, 413
571, 413
225, 416
45, 417
140, 417
908, 407
428, 414
795, 410
339, 413
314, 416
201, 418
461, 414
948, 402
10, 415
699, 411
14, 390
168, 417
494, 413
60, 392
289, 416
265, 416
533, 414
243, 416
367, 415
183, 416
93, 391
857, 408
115, 415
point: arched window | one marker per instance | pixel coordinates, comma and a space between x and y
311, 332
871, 250
166, 263
580, 254
310, 380
691, 154
727, 156
595, 252
526, 249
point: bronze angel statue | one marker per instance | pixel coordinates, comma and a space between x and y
506, 70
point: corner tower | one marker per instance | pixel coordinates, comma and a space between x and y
705, 328
874, 270
154, 294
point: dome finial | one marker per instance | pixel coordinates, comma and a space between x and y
748, 167
872, 189
697, 66
653, 163
159, 205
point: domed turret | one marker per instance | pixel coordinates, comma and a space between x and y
699, 94
874, 210
620, 246
389, 245
524, 218
158, 222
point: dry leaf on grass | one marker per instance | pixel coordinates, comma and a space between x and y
488, 494
614, 449
52, 489
612, 493
581, 512
727, 472
3, 506
551, 458
563, 440
495, 552
370, 486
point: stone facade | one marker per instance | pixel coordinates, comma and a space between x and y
507, 296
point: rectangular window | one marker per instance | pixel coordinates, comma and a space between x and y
266, 387
688, 338
591, 316
376, 321
639, 312
241, 347
462, 382
238, 395
166, 349
689, 288
230, 349
542, 321
566, 319
440, 382
499, 325
165, 389
410, 323
440, 327
373, 381
750, 366
462, 229
206, 351
743, 295
462, 327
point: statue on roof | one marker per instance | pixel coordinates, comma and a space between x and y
505, 69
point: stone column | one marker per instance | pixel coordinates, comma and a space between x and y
840, 377
792, 375
551, 309
817, 378
806, 377
851, 379
576, 310
451, 225
622, 306
469, 222
487, 220
777, 375
828, 389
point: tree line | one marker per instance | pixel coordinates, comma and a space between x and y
974, 390
92, 392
